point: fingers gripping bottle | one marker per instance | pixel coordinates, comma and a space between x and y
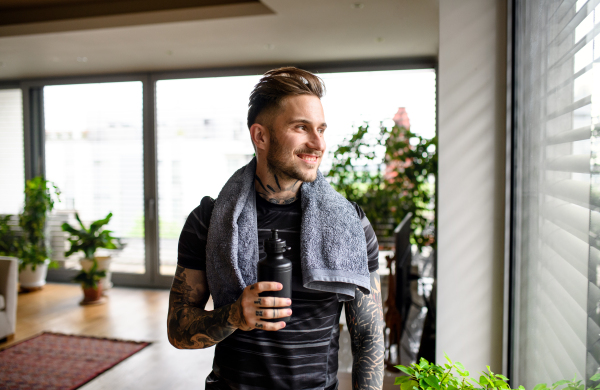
276, 268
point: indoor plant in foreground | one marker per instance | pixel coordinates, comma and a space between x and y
32, 250
88, 241
431, 376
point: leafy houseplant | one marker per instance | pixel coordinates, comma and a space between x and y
387, 175
430, 376
88, 241
38, 203
9, 240
92, 290
32, 250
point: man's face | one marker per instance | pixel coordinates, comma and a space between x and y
297, 140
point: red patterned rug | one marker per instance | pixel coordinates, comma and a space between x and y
53, 361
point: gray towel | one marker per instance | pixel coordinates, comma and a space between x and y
333, 245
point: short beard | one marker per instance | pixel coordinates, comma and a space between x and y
278, 165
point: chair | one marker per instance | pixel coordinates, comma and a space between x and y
399, 297
8, 297
403, 268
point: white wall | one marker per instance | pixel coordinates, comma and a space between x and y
472, 112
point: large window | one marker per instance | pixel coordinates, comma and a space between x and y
556, 322
150, 165
94, 155
203, 138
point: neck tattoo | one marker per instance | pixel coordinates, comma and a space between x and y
277, 196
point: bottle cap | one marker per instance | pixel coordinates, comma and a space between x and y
274, 244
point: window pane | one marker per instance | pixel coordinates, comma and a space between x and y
94, 155
375, 97
556, 320
203, 137
202, 140
12, 172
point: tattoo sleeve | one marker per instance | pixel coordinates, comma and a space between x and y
189, 325
364, 316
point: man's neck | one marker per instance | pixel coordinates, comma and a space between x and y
276, 188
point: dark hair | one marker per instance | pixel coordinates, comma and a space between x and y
277, 84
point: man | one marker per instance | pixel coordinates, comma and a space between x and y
334, 253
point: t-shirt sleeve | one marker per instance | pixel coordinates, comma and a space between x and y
191, 251
371, 238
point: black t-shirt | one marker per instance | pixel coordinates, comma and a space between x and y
303, 355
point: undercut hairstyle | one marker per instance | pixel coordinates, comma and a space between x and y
276, 85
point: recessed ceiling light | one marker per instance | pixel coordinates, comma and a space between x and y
82, 59
269, 46
358, 5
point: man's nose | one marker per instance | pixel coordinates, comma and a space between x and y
316, 141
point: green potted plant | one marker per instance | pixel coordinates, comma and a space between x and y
33, 253
90, 283
88, 241
431, 376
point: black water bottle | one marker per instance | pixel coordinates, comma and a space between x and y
276, 268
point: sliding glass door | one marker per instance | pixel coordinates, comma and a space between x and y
94, 154
202, 136
202, 139
148, 149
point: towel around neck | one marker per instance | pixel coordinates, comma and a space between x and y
333, 247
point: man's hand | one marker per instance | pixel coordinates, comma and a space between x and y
249, 311
190, 326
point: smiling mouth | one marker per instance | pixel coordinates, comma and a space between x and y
309, 158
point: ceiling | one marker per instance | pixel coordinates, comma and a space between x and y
76, 37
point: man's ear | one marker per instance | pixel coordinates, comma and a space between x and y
260, 136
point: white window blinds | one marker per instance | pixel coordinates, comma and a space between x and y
557, 218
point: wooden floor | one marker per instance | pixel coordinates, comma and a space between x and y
130, 314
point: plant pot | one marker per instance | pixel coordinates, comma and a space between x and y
92, 296
34, 279
103, 265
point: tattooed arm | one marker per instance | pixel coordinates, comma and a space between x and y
190, 326
364, 316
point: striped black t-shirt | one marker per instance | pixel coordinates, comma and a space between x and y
303, 355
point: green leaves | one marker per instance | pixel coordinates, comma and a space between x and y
405, 369
432, 381
89, 240
39, 201
431, 376
386, 173
401, 379
409, 385
90, 278
406, 383
10, 242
